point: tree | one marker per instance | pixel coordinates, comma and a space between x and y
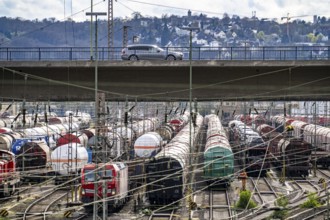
261, 36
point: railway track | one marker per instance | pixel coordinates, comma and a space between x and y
219, 205
16, 196
308, 186
41, 207
163, 216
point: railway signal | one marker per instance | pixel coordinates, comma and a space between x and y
243, 176
4, 213
68, 213
322, 181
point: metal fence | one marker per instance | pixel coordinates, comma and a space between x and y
198, 53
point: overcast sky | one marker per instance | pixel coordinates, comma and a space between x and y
76, 9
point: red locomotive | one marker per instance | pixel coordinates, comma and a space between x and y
116, 177
9, 179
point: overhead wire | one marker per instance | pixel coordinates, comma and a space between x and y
48, 25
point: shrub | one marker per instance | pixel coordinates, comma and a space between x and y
311, 202
245, 201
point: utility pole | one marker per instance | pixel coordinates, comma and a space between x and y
125, 35
91, 31
99, 105
110, 29
314, 139
244, 133
287, 25
190, 29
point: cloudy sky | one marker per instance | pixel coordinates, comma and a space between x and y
76, 9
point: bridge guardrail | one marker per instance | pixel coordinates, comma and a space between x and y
198, 53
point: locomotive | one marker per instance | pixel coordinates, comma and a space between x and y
9, 178
115, 175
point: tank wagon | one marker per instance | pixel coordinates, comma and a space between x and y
179, 121
218, 155
280, 122
244, 118
166, 131
33, 161
270, 136
68, 160
147, 145
295, 153
50, 132
319, 138
75, 137
246, 140
30, 121
257, 120
167, 173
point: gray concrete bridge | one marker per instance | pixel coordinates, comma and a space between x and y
164, 80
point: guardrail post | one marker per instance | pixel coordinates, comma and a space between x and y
7, 53
263, 53
199, 53
296, 54
70, 55
39, 54
231, 53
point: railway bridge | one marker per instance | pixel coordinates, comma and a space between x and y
245, 78
163, 80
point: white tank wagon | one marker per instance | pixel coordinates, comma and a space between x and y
5, 123
167, 172
147, 145
117, 144
127, 134
298, 128
64, 165
52, 132
323, 138
143, 126
310, 132
114, 144
318, 136
7, 139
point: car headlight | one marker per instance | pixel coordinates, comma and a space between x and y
113, 192
83, 192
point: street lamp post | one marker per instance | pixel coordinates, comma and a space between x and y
97, 115
190, 29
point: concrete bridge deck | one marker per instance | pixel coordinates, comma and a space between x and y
164, 80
